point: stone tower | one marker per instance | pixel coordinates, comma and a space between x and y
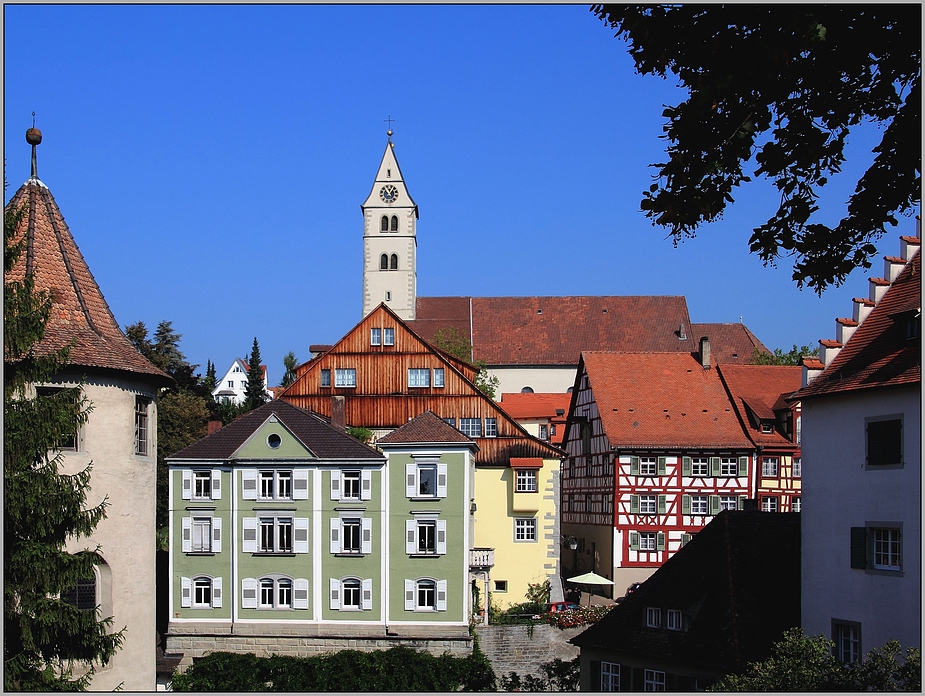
390, 241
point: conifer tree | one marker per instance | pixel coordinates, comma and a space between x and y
48, 643
290, 362
255, 394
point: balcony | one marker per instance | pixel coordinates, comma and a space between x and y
480, 559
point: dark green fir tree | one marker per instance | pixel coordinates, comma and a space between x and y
255, 393
48, 643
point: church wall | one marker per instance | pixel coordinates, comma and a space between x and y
543, 380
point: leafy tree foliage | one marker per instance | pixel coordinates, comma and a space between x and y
182, 419
255, 394
398, 669
290, 362
779, 357
48, 644
453, 342
784, 84
801, 663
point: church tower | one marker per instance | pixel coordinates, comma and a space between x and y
389, 241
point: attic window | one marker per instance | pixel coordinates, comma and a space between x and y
735, 356
539, 311
274, 440
767, 427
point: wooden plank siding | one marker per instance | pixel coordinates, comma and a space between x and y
383, 399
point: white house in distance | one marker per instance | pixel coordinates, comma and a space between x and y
862, 480
232, 386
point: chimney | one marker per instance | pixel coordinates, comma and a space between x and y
214, 425
339, 412
705, 352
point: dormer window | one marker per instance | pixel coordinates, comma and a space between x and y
767, 427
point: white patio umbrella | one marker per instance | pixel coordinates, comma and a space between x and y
591, 578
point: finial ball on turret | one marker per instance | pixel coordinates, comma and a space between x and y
388, 133
33, 136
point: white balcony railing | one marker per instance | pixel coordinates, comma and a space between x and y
481, 558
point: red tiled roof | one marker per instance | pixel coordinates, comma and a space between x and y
554, 330
428, 427
761, 388
79, 311
660, 400
878, 354
730, 344
526, 462
519, 405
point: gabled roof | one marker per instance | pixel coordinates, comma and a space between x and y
761, 389
554, 330
79, 310
536, 405
737, 583
429, 428
879, 354
661, 400
730, 344
318, 436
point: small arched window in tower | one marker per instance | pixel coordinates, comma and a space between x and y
384, 262
384, 224
394, 223
394, 262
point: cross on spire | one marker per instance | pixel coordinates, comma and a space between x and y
389, 131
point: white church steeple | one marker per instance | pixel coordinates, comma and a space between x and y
389, 241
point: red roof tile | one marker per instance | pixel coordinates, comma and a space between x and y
519, 405
554, 330
879, 354
761, 387
730, 344
79, 310
660, 400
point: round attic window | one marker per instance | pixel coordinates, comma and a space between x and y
274, 441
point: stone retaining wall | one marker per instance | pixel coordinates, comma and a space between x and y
522, 649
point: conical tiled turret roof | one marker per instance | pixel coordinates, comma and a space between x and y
79, 310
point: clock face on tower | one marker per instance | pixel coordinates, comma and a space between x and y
388, 193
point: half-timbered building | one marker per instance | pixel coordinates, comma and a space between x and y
655, 450
759, 395
382, 374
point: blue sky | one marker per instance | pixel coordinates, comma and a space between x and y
211, 160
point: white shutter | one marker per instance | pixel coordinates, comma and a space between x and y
300, 535
187, 485
186, 525
441, 595
411, 479
409, 595
300, 484
366, 485
216, 484
335, 484
248, 593
300, 593
185, 592
411, 533
216, 535
441, 480
335, 593
249, 537
441, 536
367, 543
335, 535
366, 601
249, 484
216, 593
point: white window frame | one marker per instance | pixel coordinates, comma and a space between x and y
674, 620
491, 427
770, 466
375, 336
847, 639
527, 481
252, 537
213, 526
337, 594
418, 377
388, 336
413, 595
470, 427
252, 593
325, 377
887, 548
274, 481
190, 491
364, 478
439, 377
648, 541
525, 530
654, 680
648, 466
729, 467
700, 466
345, 377
653, 617
797, 467
648, 505
796, 503
610, 676
252, 483
190, 597
729, 502
700, 505
769, 503
413, 536
414, 479
365, 534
